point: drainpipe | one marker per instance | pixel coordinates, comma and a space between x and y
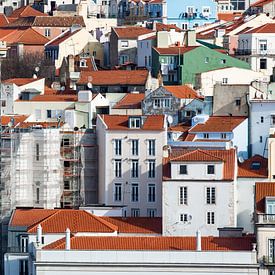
68, 239
39, 235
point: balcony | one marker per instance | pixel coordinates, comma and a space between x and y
266, 219
255, 52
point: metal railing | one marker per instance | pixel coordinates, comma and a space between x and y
254, 52
266, 218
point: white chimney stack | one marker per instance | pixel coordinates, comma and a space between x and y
39, 235
198, 239
68, 239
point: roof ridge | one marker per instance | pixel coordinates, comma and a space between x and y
197, 150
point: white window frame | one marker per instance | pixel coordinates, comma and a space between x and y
212, 165
151, 147
117, 168
210, 218
117, 192
151, 192
134, 168
135, 212
210, 195
183, 195
151, 212
134, 147
117, 147
124, 43
135, 192
151, 168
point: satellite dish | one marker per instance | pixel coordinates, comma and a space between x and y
37, 69
170, 119
90, 85
62, 88
241, 160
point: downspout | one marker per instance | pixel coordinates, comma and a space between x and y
249, 124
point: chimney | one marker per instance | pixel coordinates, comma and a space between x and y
190, 38
198, 240
254, 247
39, 235
68, 239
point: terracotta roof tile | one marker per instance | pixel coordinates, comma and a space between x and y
228, 157
155, 243
261, 3
228, 16
76, 221
131, 32
262, 190
218, 124
182, 127
174, 50
58, 40
137, 225
246, 169
267, 28
41, 124
55, 97
20, 81
121, 122
3, 20
28, 217
18, 119
26, 11
114, 77
182, 91
167, 27
130, 101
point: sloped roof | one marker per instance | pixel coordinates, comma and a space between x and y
245, 169
55, 97
20, 81
154, 243
114, 77
228, 16
62, 38
261, 3
174, 50
228, 157
182, 91
3, 20
218, 124
130, 32
267, 28
130, 101
5, 120
120, 122
167, 27
263, 190
26, 11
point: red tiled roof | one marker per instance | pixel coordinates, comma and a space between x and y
75, 220
26, 11
41, 124
167, 27
20, 81
218, 124
137, 225
131, 32
228, 157
55, 97
66, 35
189, 137
261, 3
120, 122
267, 28
3, 20
174, 50
155, 243
17, 119
182, 127
182, 91
262, 190
114, 77
228, 16
58, 21
130, 101
28, 217
245, 169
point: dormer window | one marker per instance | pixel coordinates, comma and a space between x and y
83, 63
135, 122
255, 165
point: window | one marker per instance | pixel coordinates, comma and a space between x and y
118, 169
188, 113
210, 169
67, 164
135, 122
94, 53
135, 212
238, 101
67, 185
49, 113
152, 168
24, 242
255, 165
3, 103
145, 61
183, 169
261, 139
135, 146
262, 119
118, 192
166, 103
47, 32
135, 192
223, 61
123, 59
206, 59
151, 213
184, 26
206, 10
23, 267
124, 43
157, 103
210, 195
271, 250
199, 111
37, 153
37, 195
117, 147
151, 192
263, 45
223, 135
272, 120
83, 63
183, 218
205, 135
263, 64
225, 80
151, 147
134, 169
210, 219
183, 195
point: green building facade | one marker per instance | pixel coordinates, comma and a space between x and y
182, 68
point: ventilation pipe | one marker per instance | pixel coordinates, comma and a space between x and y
39, 235
68, 239
198, 239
